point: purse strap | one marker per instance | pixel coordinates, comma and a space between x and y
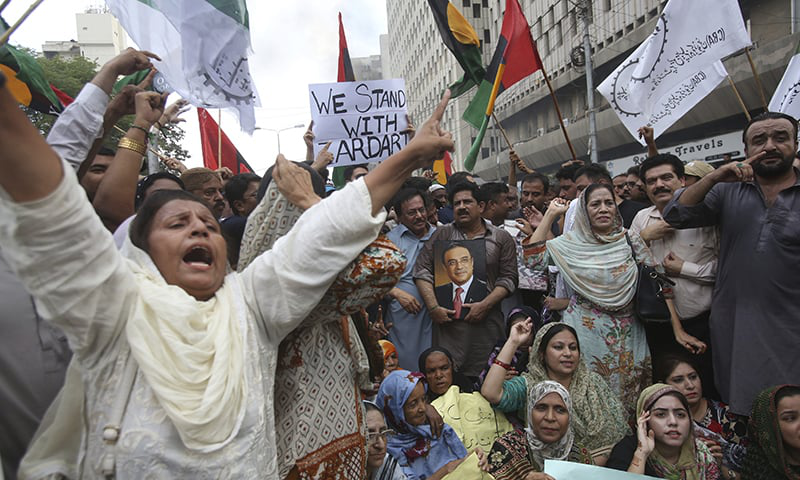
633, 250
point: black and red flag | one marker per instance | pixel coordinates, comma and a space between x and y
344, 74
209, 138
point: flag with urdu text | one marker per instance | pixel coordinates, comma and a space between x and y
26, 80
690, 36
203, 45
209, 139
460, 38
344, 74
514, 58
786, 98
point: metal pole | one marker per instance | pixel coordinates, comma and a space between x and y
16, 25
587, 51
278, 133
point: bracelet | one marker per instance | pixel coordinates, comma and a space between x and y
433, 308
501, 364
132, 145
146, 133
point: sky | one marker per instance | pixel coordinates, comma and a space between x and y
294, 44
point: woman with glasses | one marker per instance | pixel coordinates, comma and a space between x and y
380, 465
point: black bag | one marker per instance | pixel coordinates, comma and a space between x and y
649, 303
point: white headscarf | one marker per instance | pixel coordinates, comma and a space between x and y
191, 353
598, 267
552, 451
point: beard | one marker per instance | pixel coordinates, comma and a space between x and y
776, 170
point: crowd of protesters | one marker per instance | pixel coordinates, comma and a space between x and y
193, 323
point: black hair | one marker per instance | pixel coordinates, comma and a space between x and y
453, 245
620, 175
370, 407
237, 185
596, 186
348, 171
423, 357
462, 186
427, 199
537, 177
568, 172
668, 362
144, 185
769, 116
786, 391
523, 311
455, 178
662, 159
107, 151
560, 327
142, 224
403, 196
594, 172
420, 183
634, 170
316, 180
490, 191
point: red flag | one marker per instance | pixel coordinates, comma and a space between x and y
345, 73
209, 139
63, 97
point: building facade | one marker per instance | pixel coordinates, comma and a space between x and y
616, 28
100, 35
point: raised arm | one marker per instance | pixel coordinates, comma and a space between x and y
731, 172
492, 388
556, 209
114, 198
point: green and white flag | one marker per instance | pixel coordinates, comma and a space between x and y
786, 98
203, 45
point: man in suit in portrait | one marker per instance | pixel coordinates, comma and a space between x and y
464, 287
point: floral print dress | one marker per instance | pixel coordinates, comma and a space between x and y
613, 343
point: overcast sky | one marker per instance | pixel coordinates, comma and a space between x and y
294, 44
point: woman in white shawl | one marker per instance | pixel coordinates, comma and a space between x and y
177, 355
596, 260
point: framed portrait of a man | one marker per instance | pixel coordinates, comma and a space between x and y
459, 274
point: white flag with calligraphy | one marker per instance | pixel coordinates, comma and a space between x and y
689, 37
786, 98
203, 45
668, 109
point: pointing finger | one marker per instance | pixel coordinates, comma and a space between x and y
439, 112
150, 54
325, 148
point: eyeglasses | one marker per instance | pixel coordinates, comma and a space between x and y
385, 433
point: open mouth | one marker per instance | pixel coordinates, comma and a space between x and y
198, 256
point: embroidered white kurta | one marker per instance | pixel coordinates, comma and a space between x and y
69, 263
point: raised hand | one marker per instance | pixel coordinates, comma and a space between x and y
173, 113
646, 133
149, 107
533, 215
557, 207
521, 332
431, 142
324, 157
294, 183
410, 130
737, 171
646, 439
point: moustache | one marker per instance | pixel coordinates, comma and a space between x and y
662, 190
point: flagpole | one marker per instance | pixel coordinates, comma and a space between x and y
219, 138
522, 167
739, 97
24, 16
757, 78
558, 111
4, 5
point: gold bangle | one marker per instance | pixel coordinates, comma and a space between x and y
132, 145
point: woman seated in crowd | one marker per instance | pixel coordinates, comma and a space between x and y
664, 445
436, 364
549, 436
380, 465
597, 417
773, 449
519, 363
474, 420
420, 453
190, 347
724, 433
595, 259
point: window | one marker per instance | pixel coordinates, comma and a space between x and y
487, 36
466, 3
476, 10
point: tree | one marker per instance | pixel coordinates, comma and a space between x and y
70, 75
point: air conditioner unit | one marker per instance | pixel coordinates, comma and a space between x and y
539, 132
566, 122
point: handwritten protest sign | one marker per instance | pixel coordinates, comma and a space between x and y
364, 121
576, 471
